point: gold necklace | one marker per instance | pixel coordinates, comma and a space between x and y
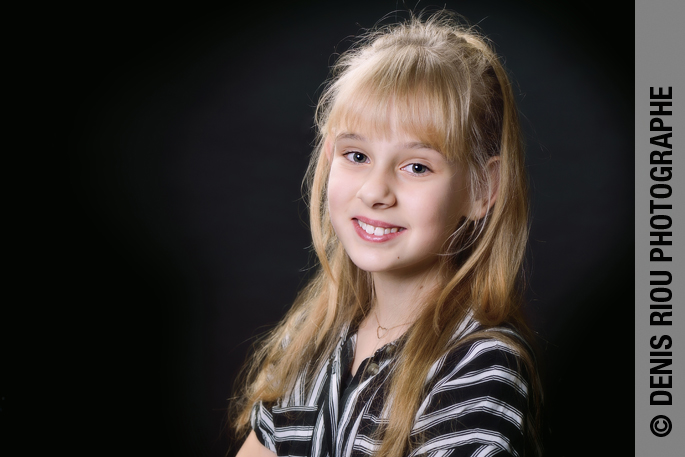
385, 330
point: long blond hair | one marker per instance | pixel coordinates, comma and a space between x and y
444, 84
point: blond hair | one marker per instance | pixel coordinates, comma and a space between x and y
442, 83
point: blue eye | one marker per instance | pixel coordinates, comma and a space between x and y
356, 157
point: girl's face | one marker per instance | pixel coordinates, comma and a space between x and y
393, 201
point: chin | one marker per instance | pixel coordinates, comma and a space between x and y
378, 266
370, 265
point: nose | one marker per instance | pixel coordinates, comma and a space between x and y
377, 190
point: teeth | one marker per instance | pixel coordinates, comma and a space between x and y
377, 231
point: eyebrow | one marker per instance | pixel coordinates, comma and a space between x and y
350, 136
410, 145
417, 145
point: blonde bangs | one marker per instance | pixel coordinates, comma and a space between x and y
393, 91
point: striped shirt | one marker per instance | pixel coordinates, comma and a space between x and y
475, 406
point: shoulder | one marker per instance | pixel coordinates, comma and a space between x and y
496, 351
483, 363
477, 397
482, 351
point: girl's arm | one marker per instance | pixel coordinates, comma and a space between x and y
253, 448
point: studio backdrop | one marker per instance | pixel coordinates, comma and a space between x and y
189, 133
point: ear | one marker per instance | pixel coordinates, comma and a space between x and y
484, 202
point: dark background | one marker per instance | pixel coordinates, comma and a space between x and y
155, 227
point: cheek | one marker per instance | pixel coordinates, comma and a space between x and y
456, 201
440, 211
338, 194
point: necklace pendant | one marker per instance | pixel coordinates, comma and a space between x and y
378, 332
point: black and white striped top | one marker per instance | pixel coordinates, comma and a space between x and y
475, 406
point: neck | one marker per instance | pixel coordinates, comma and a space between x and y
399, 299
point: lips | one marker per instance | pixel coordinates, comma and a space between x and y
372, 230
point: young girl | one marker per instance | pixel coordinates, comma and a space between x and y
408, 339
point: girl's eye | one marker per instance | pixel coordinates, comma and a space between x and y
416, 168
356, 157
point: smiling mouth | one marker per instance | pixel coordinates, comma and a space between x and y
378, 231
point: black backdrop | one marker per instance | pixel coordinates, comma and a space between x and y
156, 227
